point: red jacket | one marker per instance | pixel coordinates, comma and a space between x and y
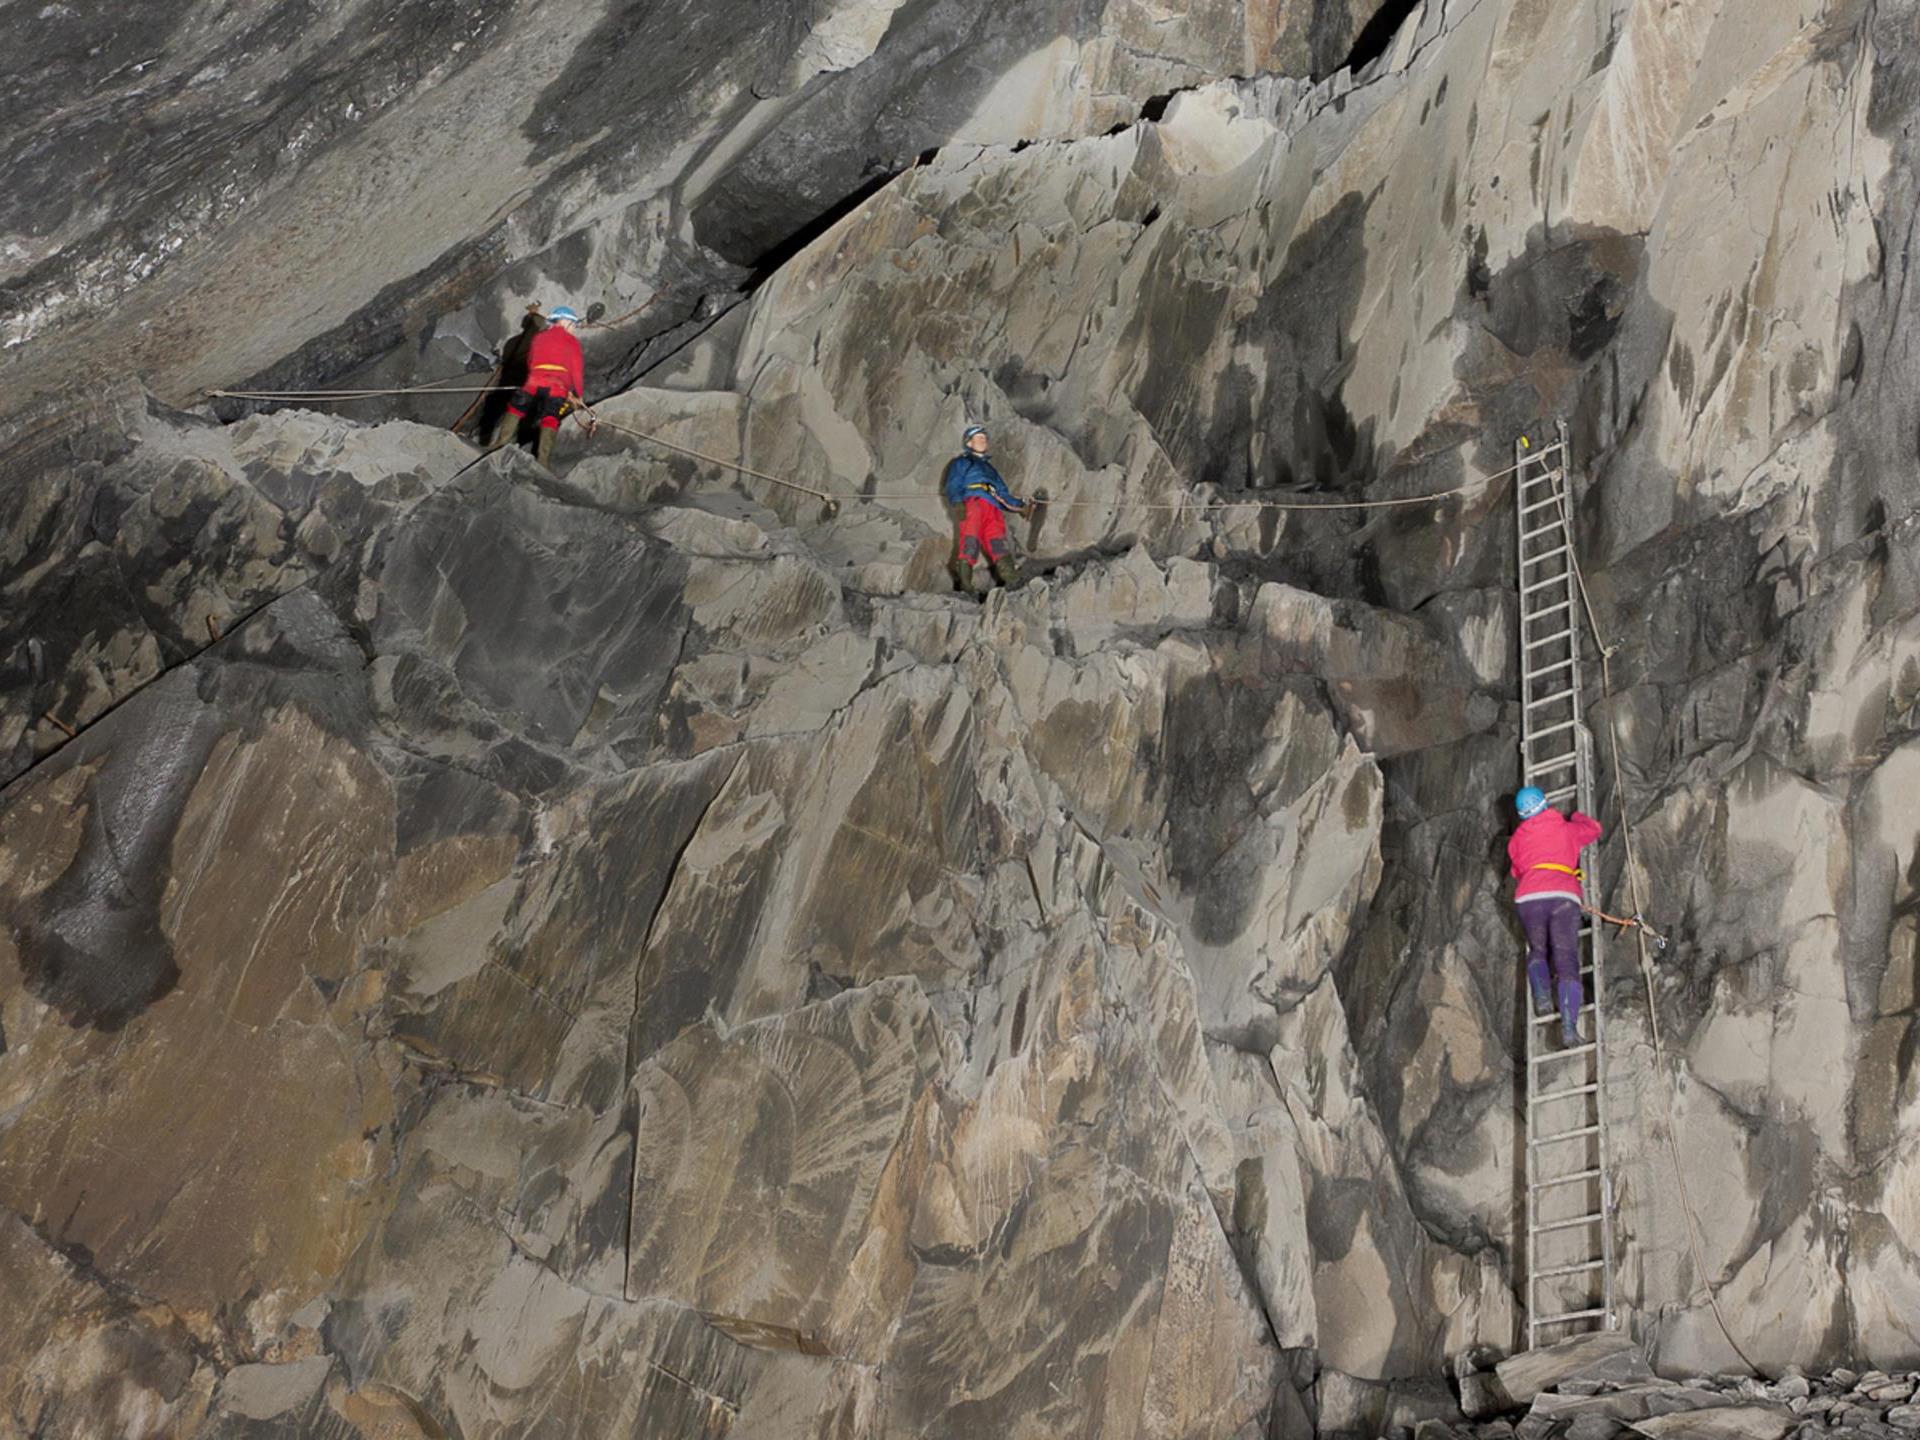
1549, 839
554, 363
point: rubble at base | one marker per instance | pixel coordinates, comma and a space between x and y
1598, 1387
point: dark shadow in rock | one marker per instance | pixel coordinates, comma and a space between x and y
1374, 36
91, 946
96, 954
1216, 726
512, 372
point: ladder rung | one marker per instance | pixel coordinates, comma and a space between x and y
1581, 1133
1553, 499
1569, 1224
1552, 554
1554, 729
1567, 1054
1561, 792
1565, 1092
1593, 1174
1566, 664
1558, 1270
1561, 699
1570, 1315
1546, 610
1547, 529
1537, 586
1549, 639
1541, 767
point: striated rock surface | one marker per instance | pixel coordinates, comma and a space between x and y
621, 950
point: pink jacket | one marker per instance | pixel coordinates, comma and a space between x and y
1550, 839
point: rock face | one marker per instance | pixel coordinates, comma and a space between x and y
290, 189
621, 950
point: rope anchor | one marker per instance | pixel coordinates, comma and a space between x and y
1630, 922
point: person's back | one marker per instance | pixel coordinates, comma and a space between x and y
1543, 854
555, 380
555, 363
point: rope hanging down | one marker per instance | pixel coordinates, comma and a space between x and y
1642, 934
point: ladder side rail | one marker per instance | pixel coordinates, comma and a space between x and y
1596, 948
1596, 944
1552, 532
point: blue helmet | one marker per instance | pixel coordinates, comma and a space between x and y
1530, 801
562, 312
966, 435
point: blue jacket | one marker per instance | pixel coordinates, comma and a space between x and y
972, 477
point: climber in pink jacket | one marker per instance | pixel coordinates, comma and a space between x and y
1544, 853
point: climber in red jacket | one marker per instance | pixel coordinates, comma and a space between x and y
1544, 853
556, 372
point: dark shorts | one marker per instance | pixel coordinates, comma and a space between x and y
542, 405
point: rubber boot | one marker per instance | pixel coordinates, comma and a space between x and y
962, 572
1006, 572
543, 446
1570, 1013
1542, 988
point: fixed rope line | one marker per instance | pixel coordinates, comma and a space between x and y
281, 395
1176, 507
715, 459
1184, 506
639, 309
1666, 1066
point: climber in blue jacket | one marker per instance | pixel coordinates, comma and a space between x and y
975, 487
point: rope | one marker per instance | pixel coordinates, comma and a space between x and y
1202, 506
1641, 932
621, 319
1176, 507
478, 400
715, 459
333, 395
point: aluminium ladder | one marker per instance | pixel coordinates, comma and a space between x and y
1568, 1261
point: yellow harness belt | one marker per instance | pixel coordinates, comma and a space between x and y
1563, 869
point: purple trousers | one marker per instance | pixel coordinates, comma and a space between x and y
1553, 935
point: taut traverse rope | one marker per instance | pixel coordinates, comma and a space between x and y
827, 497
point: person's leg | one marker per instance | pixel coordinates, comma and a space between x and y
548, 410
1004, 570
972, 522
508, 430
993, 537
1564, 925
960, 567
1533, 920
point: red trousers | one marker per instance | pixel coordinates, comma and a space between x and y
983, 527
